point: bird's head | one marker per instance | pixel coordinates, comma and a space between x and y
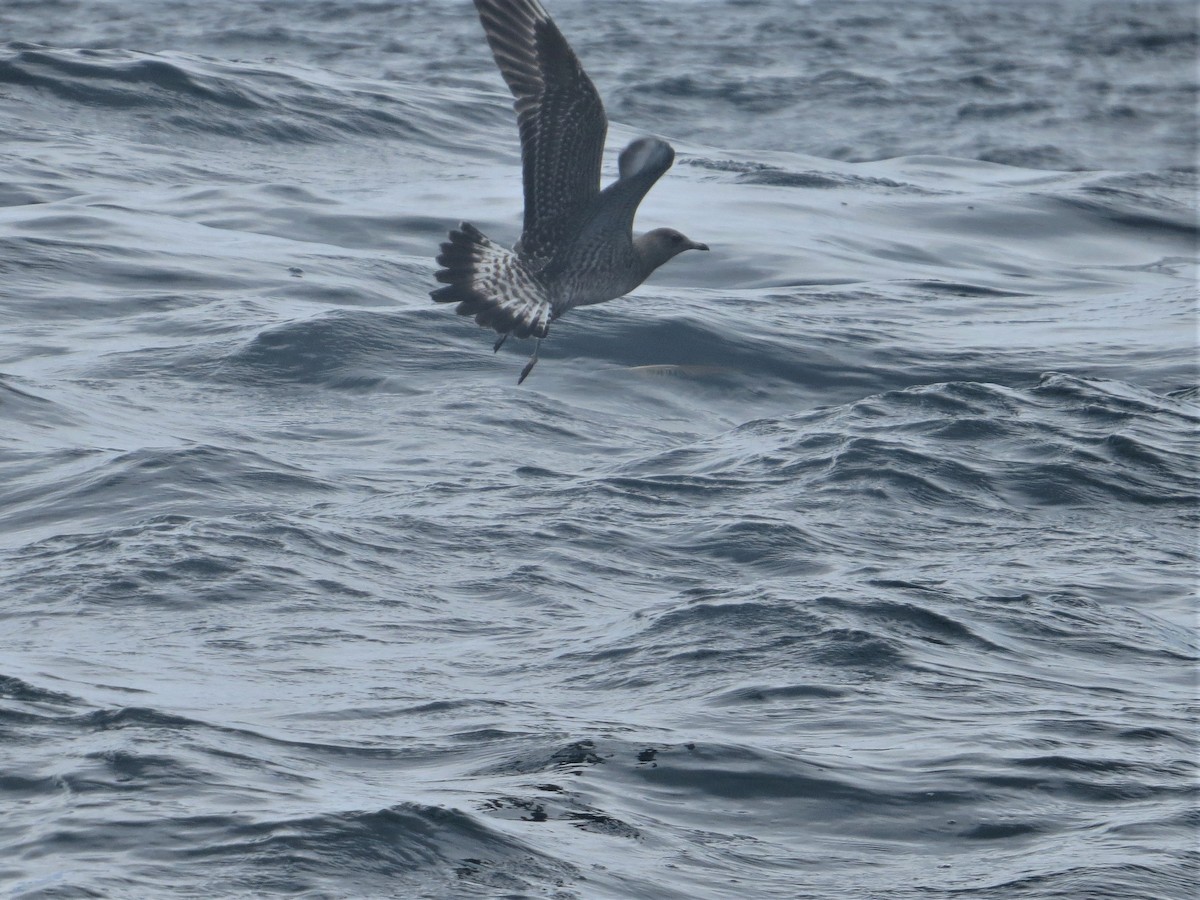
657, 246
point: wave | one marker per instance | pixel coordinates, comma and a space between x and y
205, 98
1067, 441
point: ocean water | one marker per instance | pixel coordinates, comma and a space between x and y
856, 558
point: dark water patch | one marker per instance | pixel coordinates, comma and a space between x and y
669, 490
766, 618
406, 847
762, 543
885, 468
18, 788
449, 708
1113, 401
1042, 156
744, 637
762, 695
728, 773
1139, 34
1044, 787
295, 214
206, 98
1101, 767
1154, 735
1104, 881
1135, 210
774, 176
695, 341
17, 195
760, 94
559, 806
119, 771
959, 447
136, 717
960, 289
115, 78
125, 266
25, 702
861, 654
1073, 485
353, 350
914, 622
1166, 190
1072, 622
144, 485
20, 404
571, 757
992, 831
391, 841
1001, 110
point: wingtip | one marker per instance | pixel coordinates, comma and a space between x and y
646, 155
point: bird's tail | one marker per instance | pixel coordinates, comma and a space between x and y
492, 284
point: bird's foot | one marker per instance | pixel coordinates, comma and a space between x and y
532, 362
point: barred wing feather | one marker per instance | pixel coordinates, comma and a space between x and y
492, 284
560, 117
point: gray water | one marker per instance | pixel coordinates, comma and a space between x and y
855, 558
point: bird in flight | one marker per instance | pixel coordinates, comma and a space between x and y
577, 245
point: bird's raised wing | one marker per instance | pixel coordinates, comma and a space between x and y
560, 116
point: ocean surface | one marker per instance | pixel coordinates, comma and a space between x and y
856, 558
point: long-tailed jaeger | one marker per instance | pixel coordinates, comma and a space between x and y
577, 246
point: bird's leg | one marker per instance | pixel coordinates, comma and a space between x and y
501, 340
532, 362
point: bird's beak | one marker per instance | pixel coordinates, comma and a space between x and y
696, 246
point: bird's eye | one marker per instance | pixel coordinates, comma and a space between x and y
676, 238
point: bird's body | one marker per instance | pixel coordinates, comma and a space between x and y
577, 247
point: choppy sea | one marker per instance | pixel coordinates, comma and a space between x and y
856, 558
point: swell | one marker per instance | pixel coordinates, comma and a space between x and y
1067, 441
262, 104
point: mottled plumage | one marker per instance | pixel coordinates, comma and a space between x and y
577, 246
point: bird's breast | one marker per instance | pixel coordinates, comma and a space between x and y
596, 273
